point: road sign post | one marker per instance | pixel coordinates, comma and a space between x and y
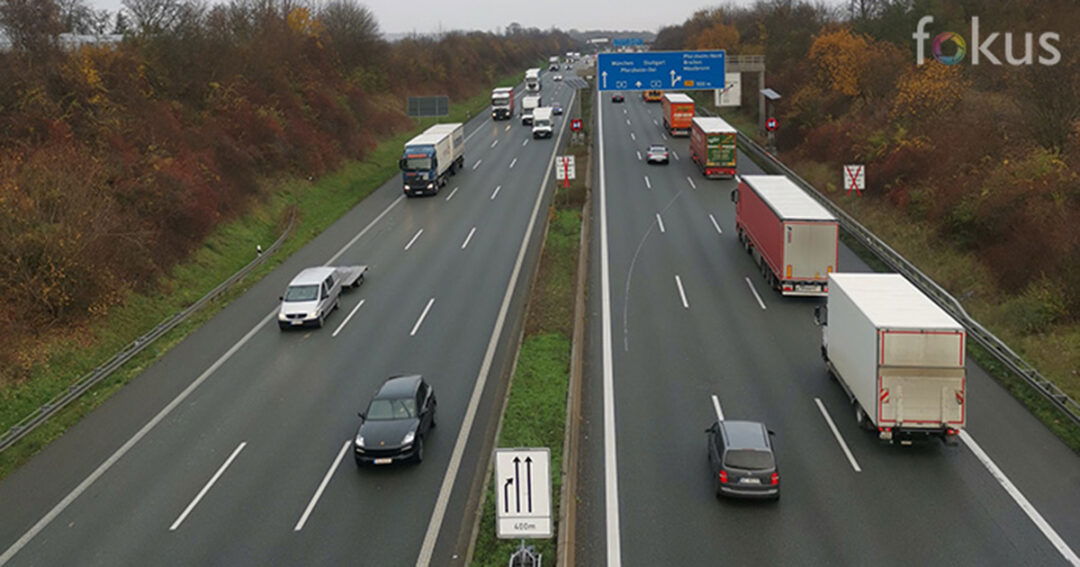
523, 493
668, 70
855, 179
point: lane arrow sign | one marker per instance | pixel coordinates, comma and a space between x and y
528, 478
506, 494
604, 75
517, 483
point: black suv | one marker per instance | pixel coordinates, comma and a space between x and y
396, 421
742, 461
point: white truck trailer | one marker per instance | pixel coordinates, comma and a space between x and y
529, 103
431, 158
897, 354
542, 126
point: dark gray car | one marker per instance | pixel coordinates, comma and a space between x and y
396, 422
742, 461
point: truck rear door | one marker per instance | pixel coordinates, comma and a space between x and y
921, 397
809, 250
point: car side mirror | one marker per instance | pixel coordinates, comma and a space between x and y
281, 298
401, 163
362, 416
734, 195
771, 432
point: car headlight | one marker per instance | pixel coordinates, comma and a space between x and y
430, 185
408, 438
360, 441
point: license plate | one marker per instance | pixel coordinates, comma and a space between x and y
385, 461
750, 480
297, 322
807, 288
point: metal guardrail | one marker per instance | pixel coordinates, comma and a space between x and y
88, 380
894, 260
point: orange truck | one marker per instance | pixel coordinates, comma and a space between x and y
652, 96
678, 112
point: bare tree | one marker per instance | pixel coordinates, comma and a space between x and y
353, 31
153, 17
31, 25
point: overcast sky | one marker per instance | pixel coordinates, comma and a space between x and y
396, 16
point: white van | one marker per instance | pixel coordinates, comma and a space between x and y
542, 126
314, 293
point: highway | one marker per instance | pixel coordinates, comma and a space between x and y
679, 314
235, 447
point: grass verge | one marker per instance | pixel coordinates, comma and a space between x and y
232, 245
535, 413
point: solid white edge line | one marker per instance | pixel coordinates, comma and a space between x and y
715, 224
754, 291
716, 406
691, 182
427, 548
420, 321
322, 486
836, 433
477, 164
119, 453
660, 221
496, 192
349, 316
206, 488
512, 162
611, 473
468, 238
413, 240
451, 195
682, 293
647, 182
1025, 505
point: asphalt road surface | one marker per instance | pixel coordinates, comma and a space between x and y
235, 448
689, 317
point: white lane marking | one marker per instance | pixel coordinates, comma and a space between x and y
346, 321
676, 154
691, 182
630, 274
495, 143
611, 473
682, 292
179, 399
655, 122
664, 136
417, 235
639, 156
633, 137
496, 192
715, 224
660, 221
507, 129
451, 195
716, 406
208, 486
624, 111
322, 486
836, 433
647, 182
477, 164
627, 121
756, 296
1018, 497
468, 238
512, 162
525, 142
427, 548
420, 321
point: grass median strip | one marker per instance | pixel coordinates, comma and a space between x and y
317, 204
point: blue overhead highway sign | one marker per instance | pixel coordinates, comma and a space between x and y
666, 70
626, 41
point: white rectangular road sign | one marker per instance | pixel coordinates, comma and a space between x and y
564, 167
523, 493
854, 178
731, 94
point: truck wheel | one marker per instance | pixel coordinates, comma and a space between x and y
861, 419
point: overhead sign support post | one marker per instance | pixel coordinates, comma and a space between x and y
667, 70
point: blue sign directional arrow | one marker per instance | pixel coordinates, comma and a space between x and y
664, 70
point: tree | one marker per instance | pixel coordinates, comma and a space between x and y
31, 25
718, 36
353, 32
153, 17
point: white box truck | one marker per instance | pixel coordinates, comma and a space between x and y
542, 126
502, 103
431, 158
897, 355
794, 240
532, 79
529, 104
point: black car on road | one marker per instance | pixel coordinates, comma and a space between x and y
742, 461
617, 97
396, 422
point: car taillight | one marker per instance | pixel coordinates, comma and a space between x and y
951, 431
774, 479
723, 477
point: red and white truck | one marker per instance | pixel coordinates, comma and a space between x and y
791, 236
712, 146
678, 112
897, 354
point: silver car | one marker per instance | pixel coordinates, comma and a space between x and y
657, 154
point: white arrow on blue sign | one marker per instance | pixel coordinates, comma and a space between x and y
669, 70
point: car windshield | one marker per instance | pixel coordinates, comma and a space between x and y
386, 409
302, 293
418, 163
500, 100
749, 459
658, 149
